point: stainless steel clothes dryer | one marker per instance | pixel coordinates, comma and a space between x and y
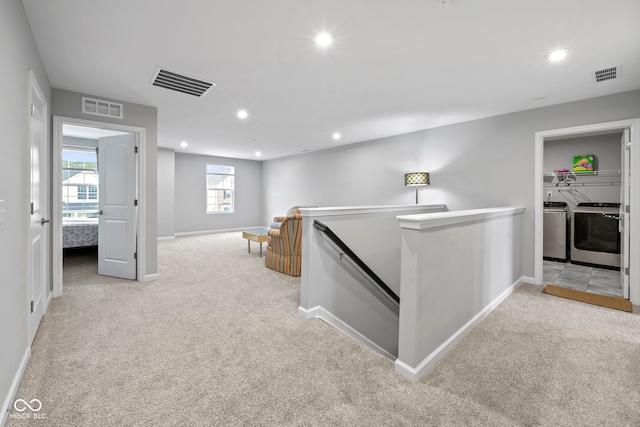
595, 236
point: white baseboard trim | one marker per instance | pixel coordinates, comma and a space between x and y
530, 280
150, 277
224, 230
166, 238
13, 390
327, 317
49, 298
414, 374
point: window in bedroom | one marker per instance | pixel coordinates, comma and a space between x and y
79, 182
220, 187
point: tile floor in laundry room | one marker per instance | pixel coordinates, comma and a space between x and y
583, 278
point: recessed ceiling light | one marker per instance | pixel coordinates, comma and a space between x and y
558, 55
242, 114
183, 144
324, 39
337, 136
258, 154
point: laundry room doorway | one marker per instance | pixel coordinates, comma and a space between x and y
581, 238
564, 187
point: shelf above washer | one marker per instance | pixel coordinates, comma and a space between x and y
576, 174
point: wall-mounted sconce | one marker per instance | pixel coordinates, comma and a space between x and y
416, 179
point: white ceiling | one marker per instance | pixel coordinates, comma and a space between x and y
88, 132
395, 66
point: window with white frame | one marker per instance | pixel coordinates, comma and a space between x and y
79, 182
220, 187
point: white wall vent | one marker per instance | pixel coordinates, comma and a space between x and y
606, 74
181, 83
102, 108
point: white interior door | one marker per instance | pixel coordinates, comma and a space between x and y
117, 203
625, 183
38, 249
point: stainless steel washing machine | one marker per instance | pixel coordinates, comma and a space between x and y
595, 236
554, 239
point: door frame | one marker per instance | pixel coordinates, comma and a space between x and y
634, 248
58, 122
34, 89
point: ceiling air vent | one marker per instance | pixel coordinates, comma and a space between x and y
181, 83
606, 74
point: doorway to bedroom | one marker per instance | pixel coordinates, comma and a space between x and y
81, 204
97, 214
80, 180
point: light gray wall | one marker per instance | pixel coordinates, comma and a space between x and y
481, 163
452, 277
166, 192
69, 104
190, 194
334, 289
558, 154
18, 53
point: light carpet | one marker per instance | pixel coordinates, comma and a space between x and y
217, 341
80, 267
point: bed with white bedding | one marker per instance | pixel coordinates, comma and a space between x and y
79, 232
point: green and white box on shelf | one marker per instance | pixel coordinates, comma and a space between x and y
583, 163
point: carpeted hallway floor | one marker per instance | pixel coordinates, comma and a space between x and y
80, 267
216, 340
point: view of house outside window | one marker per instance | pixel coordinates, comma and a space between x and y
220, 187
79, 183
